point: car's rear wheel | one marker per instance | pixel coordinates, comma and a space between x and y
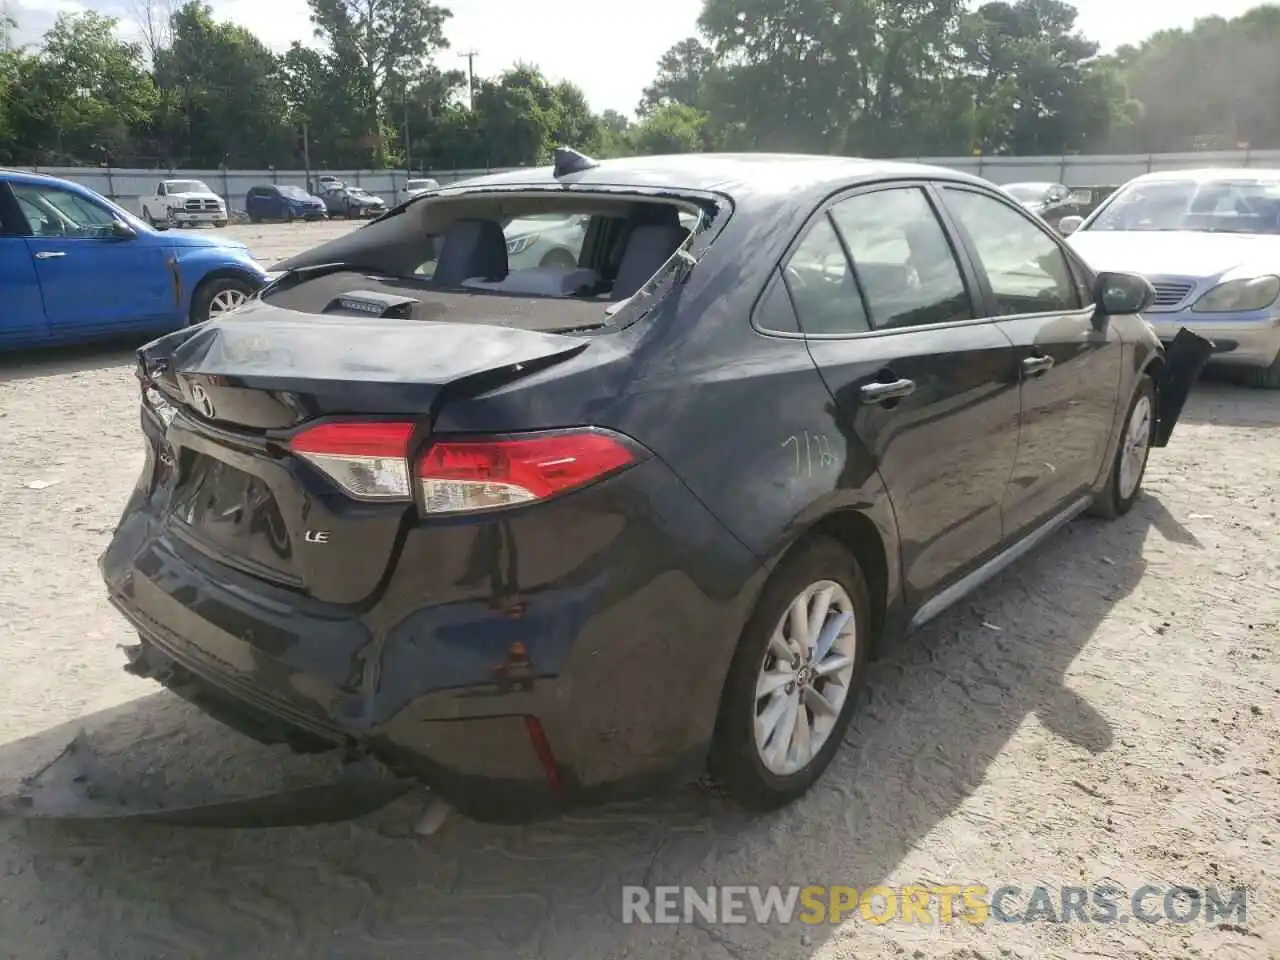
218, 297
794, 679
1130, 465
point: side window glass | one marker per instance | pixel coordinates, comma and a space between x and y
905, 264
1026, 268
821, 284
51, 212
775, 312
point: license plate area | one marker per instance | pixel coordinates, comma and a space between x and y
234, 516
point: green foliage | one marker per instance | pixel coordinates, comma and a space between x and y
860, 77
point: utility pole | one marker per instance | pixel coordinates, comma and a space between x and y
408, 150
470, 57
306, 153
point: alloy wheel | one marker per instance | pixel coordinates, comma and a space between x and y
1136, 446
805, 677
224, 301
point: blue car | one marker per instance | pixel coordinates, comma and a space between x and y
75, 267
272, 202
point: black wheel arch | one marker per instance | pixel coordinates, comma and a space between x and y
872, 545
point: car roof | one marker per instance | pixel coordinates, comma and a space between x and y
25, 176
1210, 174
740, 175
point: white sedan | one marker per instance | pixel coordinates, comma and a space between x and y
1209, 242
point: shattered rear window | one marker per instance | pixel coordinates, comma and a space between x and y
547, 262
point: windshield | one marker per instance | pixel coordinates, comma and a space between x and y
297, 193
187, 186
1024, 192
420, 185
1206, 206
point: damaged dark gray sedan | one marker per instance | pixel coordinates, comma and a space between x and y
548, 536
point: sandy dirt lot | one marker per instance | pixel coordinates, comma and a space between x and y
1105, 713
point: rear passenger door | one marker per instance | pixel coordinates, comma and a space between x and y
888, 310
1070, 367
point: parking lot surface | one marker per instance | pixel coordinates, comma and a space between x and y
1104, 713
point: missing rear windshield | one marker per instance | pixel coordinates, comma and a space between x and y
549, 261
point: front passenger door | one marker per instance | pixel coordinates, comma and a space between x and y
1070, 367
91, 280
930, 392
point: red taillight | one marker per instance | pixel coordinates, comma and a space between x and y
464, 475
369, 460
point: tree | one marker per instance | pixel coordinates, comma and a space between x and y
1034, 87
1215, 85
523, 117
670, 128
386, 44
682, 77
229, 87
822, 75
83, 96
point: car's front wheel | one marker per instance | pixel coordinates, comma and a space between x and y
216, 298
559, 257
1265, 378
794, 679
1130, 464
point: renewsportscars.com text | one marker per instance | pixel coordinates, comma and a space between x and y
933, 904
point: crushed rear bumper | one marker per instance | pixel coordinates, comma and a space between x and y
517, 664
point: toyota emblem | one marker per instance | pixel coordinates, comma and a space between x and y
200, 397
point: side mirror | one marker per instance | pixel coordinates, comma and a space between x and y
1069, 225
122, 231
1116, 294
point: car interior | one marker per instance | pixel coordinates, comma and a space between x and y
457, 267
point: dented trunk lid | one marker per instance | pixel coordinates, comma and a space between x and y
236, 388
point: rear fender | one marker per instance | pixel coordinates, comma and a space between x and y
1185, 359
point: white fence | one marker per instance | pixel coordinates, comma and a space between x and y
126, 186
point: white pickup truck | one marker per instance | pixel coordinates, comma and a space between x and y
179, 203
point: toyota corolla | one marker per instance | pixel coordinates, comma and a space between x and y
545, 536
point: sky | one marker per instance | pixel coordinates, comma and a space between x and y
608, 49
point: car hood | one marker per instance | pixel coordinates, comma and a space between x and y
193, 196
190, 241
1177, 253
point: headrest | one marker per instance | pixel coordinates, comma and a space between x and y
648, 248
471, 248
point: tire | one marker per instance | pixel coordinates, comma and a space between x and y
1263, 378
1121, 491
737, 763
559, 257
254, 218
210, 292
288, 216
219, 224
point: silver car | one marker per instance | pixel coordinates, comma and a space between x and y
1209, 242
546, 240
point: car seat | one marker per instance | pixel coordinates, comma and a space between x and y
471, 249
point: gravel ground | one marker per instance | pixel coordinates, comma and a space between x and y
1106, 712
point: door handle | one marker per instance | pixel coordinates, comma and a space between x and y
1035, 366
881, 392
49, 254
